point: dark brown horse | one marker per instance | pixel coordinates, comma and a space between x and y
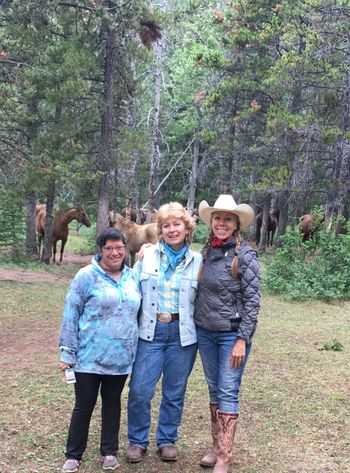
131, 214
305, 226
309, 224
60, 227
194, 214
271, 226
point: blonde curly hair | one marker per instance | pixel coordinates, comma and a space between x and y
176, 210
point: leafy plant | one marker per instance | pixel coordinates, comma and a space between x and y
201, 233
316, 269
335, 345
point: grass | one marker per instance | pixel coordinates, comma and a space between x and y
81, 242
294, 397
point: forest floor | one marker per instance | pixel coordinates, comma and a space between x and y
294, 399
28, 276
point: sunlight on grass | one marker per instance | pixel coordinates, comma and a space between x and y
81, 242
294, 396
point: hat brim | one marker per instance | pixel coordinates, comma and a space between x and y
244, 212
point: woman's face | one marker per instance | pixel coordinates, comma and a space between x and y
113, 254
174, 232
224, 224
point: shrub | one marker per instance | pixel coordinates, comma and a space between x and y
335, 345
318, 269
201, 233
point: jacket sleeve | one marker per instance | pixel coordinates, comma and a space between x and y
73, 308
250, 295
136, 271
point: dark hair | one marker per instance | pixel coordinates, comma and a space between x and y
110, 234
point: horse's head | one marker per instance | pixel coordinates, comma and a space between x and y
116, 220
111, 218
82, 217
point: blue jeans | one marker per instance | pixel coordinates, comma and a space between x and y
162, 356
215, 349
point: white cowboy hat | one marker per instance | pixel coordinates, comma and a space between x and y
226, 203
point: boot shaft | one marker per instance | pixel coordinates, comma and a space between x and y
214, 407
227, 423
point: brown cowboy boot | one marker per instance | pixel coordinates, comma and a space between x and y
210, 458
227, 428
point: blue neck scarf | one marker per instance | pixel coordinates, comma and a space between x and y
174, 258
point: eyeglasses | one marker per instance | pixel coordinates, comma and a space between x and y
115, 248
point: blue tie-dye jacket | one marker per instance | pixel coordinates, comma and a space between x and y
99, 328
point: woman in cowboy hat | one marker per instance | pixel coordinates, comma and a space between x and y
227, 307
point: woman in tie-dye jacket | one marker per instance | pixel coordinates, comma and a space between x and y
99, 339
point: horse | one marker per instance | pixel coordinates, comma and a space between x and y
308, 225
132, 213
135, 234
194, 214
305, 227
60, 227
271, 226
39, 208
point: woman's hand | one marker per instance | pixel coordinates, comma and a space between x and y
238, 353
141, 252
64, 366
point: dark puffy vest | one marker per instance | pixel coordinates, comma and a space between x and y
225, 303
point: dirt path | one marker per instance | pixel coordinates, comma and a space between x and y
27, 276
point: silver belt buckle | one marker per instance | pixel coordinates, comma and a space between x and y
164, 317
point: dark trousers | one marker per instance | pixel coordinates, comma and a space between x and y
86, 391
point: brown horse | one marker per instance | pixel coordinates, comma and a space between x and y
60, 227
309, 224
136, 234
131, 214
271, 226
305, 226
194, 214
39, 208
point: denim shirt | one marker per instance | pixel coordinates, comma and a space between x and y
147, 272
99, 327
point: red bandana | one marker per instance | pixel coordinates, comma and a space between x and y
216, 243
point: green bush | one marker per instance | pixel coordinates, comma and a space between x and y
316, 269
201, 233
12, 225
335, 345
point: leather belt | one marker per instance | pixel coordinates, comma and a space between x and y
166, 318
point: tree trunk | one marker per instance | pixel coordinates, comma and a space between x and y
343, 150
51, 191
343, 193
106, 126
47, 243
253, 194
154, 145
283, 217
265, 222
194, 176
31, 243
